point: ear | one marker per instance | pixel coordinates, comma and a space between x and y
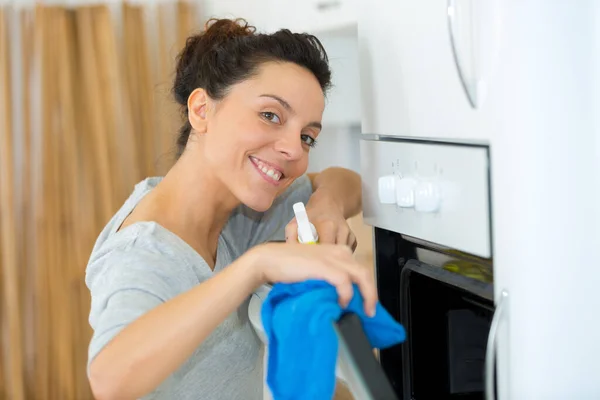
197, 110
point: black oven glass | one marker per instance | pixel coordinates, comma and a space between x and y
445, 301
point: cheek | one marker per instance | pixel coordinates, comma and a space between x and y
300, 167
224, 144
296, 172
212, 145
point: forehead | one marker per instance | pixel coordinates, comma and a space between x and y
296, 84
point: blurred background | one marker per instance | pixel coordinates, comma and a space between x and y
85, 113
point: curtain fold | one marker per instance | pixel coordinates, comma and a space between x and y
85, 113
12, 313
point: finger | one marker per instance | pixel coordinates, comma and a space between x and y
327, 231
345, 236
345, 293
362, 276
352, 243
366, 284
291, 232
343, 285
334, 272
342, 235
368, 290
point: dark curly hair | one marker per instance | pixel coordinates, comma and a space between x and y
229, 51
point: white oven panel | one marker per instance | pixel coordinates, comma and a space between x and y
431, 191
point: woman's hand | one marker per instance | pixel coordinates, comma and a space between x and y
279, 262
328, 218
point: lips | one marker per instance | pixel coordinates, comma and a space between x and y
269, 171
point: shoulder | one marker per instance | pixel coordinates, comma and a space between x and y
140, 190
143, 256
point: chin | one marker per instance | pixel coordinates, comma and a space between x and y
258, 203
258, 193
259, 206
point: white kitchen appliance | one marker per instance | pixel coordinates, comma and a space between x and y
481, 177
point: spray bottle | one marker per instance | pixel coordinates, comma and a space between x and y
307, 233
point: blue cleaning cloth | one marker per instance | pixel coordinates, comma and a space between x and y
298, 319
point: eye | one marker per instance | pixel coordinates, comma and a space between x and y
310, 141
269, 116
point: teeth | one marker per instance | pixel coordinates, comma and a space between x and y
273, 174
266, 170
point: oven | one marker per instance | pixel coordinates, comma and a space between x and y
429, 203
480, 162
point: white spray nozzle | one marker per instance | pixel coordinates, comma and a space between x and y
307, 232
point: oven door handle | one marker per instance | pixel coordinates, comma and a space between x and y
490, 357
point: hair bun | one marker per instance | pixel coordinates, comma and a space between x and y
218, 31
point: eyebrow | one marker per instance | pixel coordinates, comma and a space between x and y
289, 108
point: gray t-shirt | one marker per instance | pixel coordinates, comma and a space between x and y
143, 265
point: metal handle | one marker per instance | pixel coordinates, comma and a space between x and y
490, 357
451, 15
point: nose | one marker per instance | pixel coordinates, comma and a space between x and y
290, 145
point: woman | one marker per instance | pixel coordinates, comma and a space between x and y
171, 274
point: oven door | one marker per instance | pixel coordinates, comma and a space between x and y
445, 301
448, 316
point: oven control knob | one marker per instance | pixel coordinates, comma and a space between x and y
387, 189
396, 190
428, 197
405, 192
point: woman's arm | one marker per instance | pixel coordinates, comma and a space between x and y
340, 185
152, 347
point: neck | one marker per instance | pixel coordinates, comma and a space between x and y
195, 205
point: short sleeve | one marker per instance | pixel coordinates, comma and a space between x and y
252, 228
124, 285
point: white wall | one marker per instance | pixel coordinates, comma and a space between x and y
337, 146
338, 143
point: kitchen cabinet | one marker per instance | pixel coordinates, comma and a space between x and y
420, 56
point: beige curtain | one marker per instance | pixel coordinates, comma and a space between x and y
85, 113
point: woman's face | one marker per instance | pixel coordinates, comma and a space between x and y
257, 139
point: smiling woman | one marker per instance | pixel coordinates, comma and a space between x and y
171, 273
263, 94
267, 136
